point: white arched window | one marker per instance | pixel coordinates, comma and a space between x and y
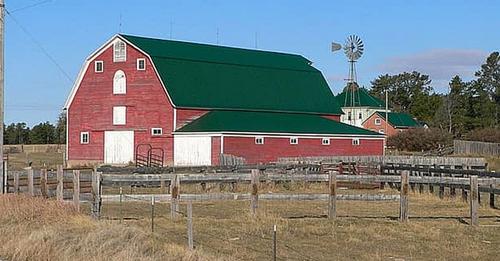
119, 83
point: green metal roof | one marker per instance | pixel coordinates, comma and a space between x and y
271, 122
401, 120
218, 77
361, 99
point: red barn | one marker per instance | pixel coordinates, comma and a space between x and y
172, 102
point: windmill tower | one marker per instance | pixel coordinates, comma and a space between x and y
353, 49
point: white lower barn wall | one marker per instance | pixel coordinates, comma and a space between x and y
192, 150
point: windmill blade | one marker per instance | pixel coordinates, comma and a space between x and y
336, 47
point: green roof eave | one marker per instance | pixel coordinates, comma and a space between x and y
400, 120
272, 123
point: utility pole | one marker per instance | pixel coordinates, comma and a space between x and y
2, 19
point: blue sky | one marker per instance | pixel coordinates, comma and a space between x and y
440, 38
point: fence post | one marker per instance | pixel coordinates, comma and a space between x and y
121, 205
3, 180
492, 195
474, 203
380, 169
332, 197
274, 243
190, 225
254, 197
31, 189
441, 186
152, 214
60, 183
16, 182
43, 183
403, 201
175, 195
76, 189
96, 194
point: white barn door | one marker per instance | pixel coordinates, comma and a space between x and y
192, 151
118, 147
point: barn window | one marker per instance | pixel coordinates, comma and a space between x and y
378, 121
355, 142
119, 115
360, 116
156, 131
99, 66
84, 138
119, 51
349, 116
119, 83
141, 64
294, 140
259, 140
325, 141
381, 131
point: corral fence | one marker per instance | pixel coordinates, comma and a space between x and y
464, 147
473, 163
34, 148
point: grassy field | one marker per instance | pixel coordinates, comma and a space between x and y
38, 160
437, 230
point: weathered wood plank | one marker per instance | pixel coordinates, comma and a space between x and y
474, 201
254, 191
403, 200
76, 189
332, 199
60, 183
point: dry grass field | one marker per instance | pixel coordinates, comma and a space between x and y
438, 230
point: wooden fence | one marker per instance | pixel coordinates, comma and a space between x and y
479, 163
463, 147
87, 184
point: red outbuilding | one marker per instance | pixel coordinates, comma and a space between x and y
166, 102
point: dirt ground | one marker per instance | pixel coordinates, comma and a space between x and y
437, 230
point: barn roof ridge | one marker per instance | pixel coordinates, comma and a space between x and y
219, 77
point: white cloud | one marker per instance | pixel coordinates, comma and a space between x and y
440, 64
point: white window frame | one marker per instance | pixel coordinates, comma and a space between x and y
139, 60
261, 142
82, 135
116, 88
119, 115
95, 66
156, 129
325, 141
119, 57
360, 116
378, 121
356, 142
294, 140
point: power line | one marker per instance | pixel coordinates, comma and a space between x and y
30, 6
44, 51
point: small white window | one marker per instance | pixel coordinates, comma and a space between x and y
84, 138
325, 141
349, 116
360, 116
156, 131
141, 64
119, 83
259, 140
119, 115
378, 121
381, 131
294, 140
99, 66
119, 51
355, 142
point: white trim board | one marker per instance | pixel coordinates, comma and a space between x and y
276, 135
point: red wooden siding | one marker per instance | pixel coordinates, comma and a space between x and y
370, 124
216, 151
275, 147
332, 117
91, 110
185, 116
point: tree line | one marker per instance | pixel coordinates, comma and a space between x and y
42, 133
468, 107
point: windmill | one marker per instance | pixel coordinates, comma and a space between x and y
353, 49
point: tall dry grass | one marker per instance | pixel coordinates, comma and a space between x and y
40, 229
